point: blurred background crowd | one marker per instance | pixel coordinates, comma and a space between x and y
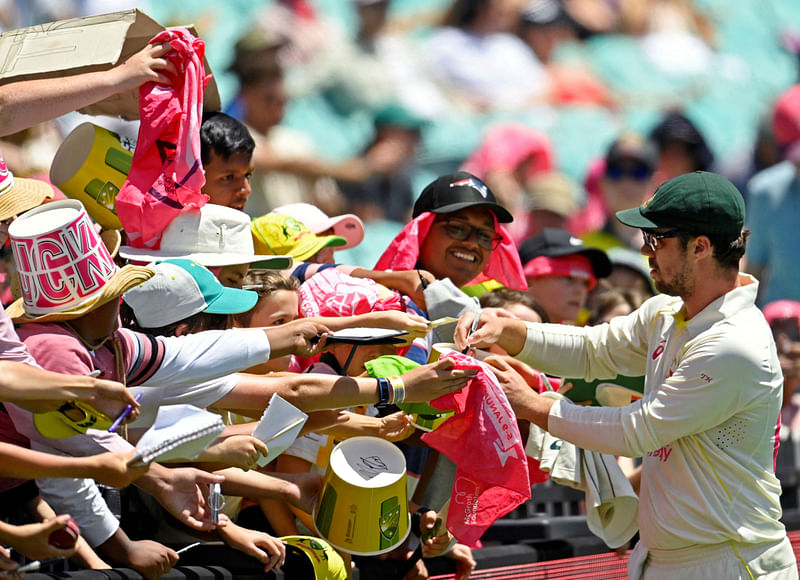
356, 105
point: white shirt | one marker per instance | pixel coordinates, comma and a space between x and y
706, 426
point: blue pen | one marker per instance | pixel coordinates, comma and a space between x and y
125, 412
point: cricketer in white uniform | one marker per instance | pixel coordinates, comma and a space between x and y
706, 427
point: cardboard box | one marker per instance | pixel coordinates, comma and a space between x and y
78, 45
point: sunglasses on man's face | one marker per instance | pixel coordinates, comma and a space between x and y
653, 239
635, 172
485, 238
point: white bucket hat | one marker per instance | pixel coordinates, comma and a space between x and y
349, 226
215, 235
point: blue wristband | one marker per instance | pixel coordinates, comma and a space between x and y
384, 391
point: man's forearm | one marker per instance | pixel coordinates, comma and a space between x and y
535, 409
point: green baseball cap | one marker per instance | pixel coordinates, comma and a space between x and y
699, 203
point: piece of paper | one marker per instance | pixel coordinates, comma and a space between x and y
442, 321
279, 427
365, 335
179, 432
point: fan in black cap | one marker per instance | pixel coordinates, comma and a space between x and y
456, 191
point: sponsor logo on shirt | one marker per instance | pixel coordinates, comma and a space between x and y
659, 349
662, 454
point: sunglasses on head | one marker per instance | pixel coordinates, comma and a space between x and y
636, 172
486, 239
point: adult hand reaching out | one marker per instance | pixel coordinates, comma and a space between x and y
494, 327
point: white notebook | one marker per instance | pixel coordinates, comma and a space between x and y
279, 426
179, 432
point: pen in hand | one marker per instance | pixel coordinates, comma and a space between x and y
472, 329
125, 412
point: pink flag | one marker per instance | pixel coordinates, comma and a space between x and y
484, 442
166, 174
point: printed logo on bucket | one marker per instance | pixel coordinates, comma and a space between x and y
389, 521
370, 466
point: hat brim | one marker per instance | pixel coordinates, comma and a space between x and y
24, 195
232, 301
310, 245
633, 217
348, 226
123, 279
57, 425
209, 259
498, 210
112, 240
601, 265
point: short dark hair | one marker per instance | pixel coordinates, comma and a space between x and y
225, 136
502, 297
728, 253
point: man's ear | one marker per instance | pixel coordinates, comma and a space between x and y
702, 247
181, 329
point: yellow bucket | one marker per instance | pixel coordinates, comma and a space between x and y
440, 348
91, 165
363, 508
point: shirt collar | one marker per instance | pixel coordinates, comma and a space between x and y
736, 300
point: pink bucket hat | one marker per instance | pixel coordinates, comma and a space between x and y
64, 268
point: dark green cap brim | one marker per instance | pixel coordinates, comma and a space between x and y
273, 263
633, 217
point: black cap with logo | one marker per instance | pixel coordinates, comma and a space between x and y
456, 191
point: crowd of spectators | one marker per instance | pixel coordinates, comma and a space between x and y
476, 148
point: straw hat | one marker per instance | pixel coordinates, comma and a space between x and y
64, 268
17, 194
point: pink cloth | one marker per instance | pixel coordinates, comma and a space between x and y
484, 442
507, 147
166, 174
333, 293
503, 265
